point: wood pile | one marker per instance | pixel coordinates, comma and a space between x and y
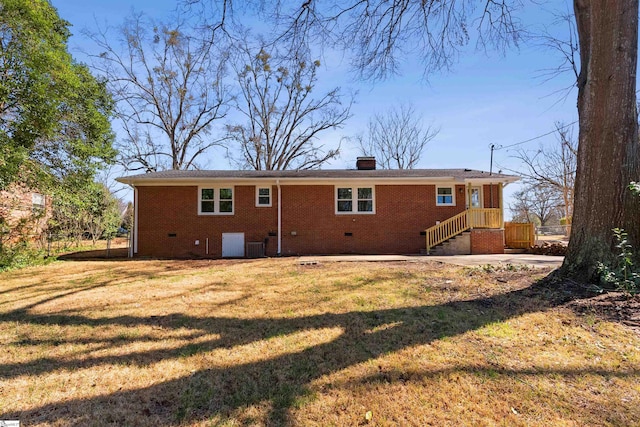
557, 249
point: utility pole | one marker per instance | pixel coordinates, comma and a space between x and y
492, 146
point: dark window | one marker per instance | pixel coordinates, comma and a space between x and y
264, 196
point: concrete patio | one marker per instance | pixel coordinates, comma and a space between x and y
469, 260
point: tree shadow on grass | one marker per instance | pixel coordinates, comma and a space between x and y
115, 254
279, 382
30, 294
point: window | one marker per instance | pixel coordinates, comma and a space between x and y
444, 196
475, 197
207, 203
345, 199
354, 200
38, 202
226, 200
365, 199
263, 196
216, 201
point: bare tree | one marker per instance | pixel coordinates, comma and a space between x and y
283, 117
609, 152
380, 32
169, 90
566, 48
553, 166
539, 204
397, 137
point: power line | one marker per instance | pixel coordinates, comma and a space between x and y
501, 147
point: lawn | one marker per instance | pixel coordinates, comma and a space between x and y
272, 342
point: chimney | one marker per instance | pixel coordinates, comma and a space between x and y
366, 163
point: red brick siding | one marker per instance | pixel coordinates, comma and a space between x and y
485, 241
402, 212
174, 210
16, 210
486, 191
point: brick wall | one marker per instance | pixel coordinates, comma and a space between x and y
484, 241
309, 222
167, 211
487, 191
402, 212
18, 215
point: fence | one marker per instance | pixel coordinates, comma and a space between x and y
553, 230
55, 244
519, 235
58, 243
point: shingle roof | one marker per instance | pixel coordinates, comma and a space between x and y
456, 174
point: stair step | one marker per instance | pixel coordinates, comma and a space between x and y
443, 247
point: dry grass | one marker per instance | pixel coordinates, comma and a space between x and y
270, 342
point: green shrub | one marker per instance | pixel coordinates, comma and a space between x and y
21, 255
622, 275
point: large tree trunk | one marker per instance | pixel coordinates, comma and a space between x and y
608, 152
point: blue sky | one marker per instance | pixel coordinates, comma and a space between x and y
486, 98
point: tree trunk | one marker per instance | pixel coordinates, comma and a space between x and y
608, 152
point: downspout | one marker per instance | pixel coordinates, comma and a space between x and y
279, 218
134, 247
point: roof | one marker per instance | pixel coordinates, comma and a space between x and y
177, 176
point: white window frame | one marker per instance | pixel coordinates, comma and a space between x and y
354, 200
264, 187
216, 199
453, 195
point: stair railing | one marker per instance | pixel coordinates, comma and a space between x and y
447, 229
470, 218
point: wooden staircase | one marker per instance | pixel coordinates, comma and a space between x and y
465, 220
459, 244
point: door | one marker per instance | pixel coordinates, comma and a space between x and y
232, 245
475, 197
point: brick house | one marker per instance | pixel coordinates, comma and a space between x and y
24, 213
213, 214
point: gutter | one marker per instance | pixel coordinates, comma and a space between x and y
288, 180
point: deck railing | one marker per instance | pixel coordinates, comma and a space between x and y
470, 218
485, 218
